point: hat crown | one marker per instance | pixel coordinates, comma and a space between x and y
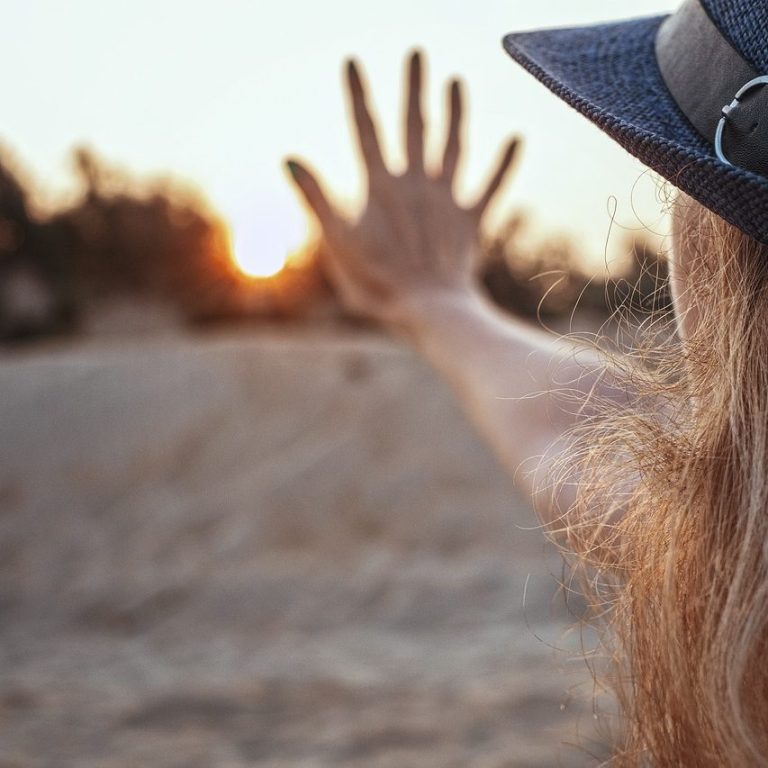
745, 24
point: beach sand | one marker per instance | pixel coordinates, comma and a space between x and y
270, 548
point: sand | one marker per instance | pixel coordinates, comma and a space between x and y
270, 548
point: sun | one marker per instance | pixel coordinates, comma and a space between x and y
257, 259
258, 264
262, 249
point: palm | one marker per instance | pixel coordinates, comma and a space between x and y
412, 233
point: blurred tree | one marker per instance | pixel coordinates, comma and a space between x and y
127, 238
36, 297
162, 241
156, 241
548, 281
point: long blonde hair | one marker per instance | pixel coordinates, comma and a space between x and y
681, 575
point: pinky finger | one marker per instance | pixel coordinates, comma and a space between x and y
453, 142
314, 196
494, 185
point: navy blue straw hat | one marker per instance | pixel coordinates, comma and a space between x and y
683, 93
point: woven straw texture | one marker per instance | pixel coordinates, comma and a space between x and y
609, 73
745, 24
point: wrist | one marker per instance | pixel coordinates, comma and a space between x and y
418, 309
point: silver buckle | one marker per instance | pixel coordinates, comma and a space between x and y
758, 81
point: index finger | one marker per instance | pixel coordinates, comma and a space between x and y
366, 127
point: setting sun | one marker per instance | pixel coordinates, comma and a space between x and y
261, 250
259, 264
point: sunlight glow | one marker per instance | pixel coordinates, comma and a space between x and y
225, 120
262, 248
257, 263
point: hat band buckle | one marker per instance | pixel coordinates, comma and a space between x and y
757, 82
702, 70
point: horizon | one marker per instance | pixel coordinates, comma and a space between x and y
217, 97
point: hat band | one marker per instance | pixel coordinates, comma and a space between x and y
719, 92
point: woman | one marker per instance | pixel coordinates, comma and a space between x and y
651, 468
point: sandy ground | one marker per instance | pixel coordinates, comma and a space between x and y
264, 549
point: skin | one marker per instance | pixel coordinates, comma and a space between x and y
406, 262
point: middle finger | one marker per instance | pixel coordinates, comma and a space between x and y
414, 125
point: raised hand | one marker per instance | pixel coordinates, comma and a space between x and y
412, 235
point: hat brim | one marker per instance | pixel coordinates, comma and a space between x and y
609, 73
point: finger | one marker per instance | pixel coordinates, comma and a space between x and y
453, 141
315, 197
414, 124
497, 179
366, 127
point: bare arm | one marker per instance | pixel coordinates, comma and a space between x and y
523, 389
407, 260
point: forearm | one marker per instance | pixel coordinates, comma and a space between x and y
518, 384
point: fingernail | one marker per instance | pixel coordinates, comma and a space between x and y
293, 168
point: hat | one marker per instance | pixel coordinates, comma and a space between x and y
684, 93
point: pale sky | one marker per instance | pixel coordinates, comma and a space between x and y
219, 92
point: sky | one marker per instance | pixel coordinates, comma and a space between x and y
218, 93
